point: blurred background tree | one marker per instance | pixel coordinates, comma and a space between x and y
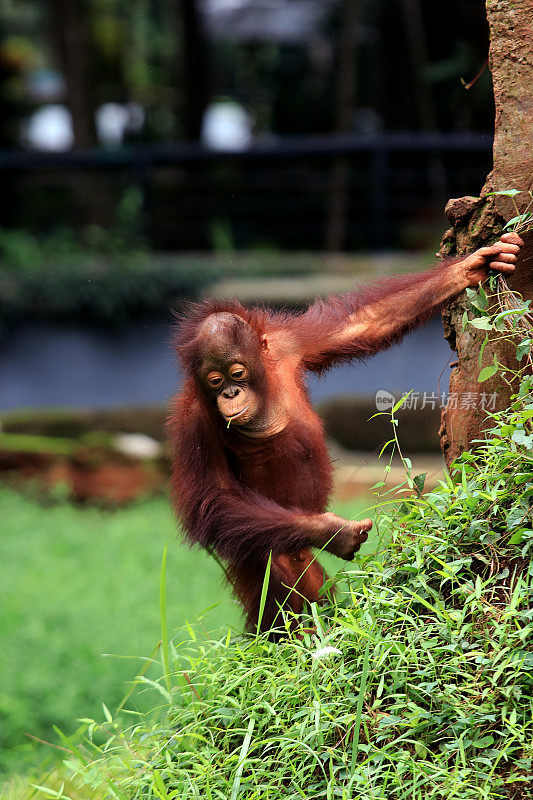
282, 61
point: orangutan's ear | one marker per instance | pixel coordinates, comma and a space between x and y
264, 344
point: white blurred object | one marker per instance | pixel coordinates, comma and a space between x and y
137, 445
225, 5
114, 121
50, 128
281, 21
111, 121
226, 126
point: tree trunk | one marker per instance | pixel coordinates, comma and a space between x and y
69, 35
194, 69
344, 106
418, 52
477, 221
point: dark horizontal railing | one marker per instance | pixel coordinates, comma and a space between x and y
275, 192
326, 146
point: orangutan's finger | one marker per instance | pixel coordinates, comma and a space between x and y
512, 238
499, 266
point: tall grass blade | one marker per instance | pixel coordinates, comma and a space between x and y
163, 617
137, 681
160, 787
360, 699
242, 756
264, 592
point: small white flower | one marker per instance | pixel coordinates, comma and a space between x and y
325, 652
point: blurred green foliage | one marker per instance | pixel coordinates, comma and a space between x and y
103, 275
78, 583
85, 285
109, 276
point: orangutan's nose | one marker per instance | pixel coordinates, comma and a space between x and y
231, 392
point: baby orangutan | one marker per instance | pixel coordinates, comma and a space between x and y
251, 473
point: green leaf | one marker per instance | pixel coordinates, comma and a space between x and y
362, 691
478, 298
516, 221
503, 193
486, 741
400, 402
523, 348
160, 788
242, 757
515, 517
487, 373
482, 349
521, 438
391, 719
482, 323
163, 617
419, 481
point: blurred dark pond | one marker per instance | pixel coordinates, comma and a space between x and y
61, 365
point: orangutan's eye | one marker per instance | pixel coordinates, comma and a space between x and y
215, 380
238, 372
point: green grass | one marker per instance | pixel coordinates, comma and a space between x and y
416, 684
79, 582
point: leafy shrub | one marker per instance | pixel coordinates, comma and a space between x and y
110, 288
99, 275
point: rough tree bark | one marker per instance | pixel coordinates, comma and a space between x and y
477, 221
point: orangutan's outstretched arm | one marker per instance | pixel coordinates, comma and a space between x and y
359, 324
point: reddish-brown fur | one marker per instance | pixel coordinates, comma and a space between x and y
248, 497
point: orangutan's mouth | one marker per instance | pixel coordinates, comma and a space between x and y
230, 417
